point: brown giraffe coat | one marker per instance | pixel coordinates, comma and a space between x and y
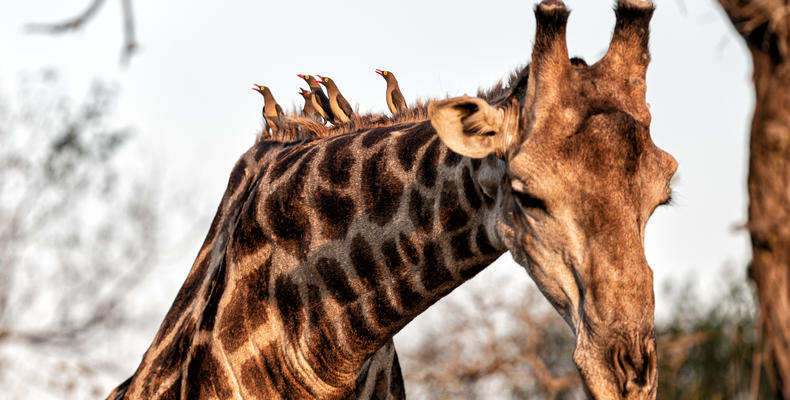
332, 246
295, 275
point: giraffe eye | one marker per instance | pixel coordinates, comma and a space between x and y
528, 201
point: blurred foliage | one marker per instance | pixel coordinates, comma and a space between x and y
78, 230
709, 349
519, 348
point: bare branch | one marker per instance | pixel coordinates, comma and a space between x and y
71, 24
130, 45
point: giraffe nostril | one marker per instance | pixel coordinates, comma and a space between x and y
633, 366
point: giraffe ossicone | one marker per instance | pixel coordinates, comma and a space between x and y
322, 250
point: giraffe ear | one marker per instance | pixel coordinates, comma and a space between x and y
469, 126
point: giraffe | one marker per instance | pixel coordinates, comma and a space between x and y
329, 247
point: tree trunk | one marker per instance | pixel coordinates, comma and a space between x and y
764, 26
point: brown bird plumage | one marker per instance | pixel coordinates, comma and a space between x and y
308, 110
395, 100
339, 105
319, 99
272, 112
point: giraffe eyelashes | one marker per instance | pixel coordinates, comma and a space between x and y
669, 201
528, 201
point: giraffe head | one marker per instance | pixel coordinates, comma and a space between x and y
580, 176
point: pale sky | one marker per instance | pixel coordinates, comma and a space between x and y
187, 93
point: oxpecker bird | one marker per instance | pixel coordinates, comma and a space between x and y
395, 100
309, 111
337, 102
272, 112
319, 99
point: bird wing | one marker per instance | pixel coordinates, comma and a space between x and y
325, 105
398, 100
343, 104
279, 110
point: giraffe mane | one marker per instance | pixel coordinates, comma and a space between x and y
302, 128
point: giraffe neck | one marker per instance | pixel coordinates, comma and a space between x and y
404, 223
320, 252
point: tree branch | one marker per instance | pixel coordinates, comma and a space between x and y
71, 24
130, 45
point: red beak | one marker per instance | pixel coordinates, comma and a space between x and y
300, 75
255, 87
378, 71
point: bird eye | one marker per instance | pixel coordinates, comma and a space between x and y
384, 72
307, 76
326, 79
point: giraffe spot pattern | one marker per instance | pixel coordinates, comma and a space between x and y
410, 143
237, 175
287, 216
255, 380
249, 235
484, 245
401, 286
426, 172
470, 190
451, 214
336, 210
451, 158
376, 135
358, 330
383, 310
408, 298
207, 378
392, 259
364, 262
173, 392
476, 163
435, 273
469, 273
409, 250
262, 148
289, 303
247, 308
462, 249
381, 189
289, 159
175, 354
214, 294
323, 351
233, 333
266, 377
338, 159
335, 280
420, 212
212, 230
